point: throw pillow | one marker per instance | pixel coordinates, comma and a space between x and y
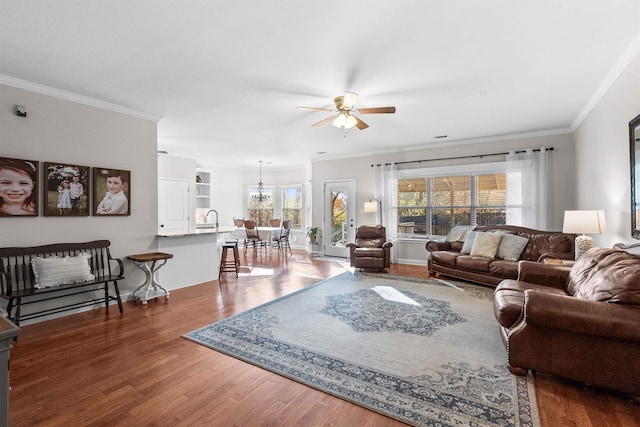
458, 233
511, 246
55, 271
486, 244
468, 242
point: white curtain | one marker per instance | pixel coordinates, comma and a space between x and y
527, 188
386, 187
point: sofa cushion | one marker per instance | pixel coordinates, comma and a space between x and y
473, 263
511, 246
508, 300
486, 244
504, 268
468, 242
369, 252
445, 258
548, 243
606, 275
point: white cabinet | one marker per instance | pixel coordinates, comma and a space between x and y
173, 205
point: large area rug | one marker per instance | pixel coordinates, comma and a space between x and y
425, 352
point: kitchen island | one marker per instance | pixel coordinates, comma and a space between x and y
196, 256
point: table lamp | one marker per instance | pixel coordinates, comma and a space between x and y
583, 223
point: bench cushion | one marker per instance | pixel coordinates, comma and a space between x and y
55, 271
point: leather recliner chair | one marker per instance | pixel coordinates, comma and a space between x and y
371, 249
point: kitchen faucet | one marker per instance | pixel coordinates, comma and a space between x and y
216, 212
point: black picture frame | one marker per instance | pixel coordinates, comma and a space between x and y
19, 179
115, 201
66, 190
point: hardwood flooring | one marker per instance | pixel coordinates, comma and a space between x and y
100, 368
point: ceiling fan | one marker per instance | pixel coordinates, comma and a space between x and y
345, 117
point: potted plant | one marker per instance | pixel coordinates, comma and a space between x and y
312, 233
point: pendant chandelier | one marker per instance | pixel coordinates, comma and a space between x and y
260, 197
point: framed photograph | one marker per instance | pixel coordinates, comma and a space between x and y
18, 187
111, 192
66, 190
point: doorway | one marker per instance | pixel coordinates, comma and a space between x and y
339, 217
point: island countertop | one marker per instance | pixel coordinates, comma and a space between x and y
196, 232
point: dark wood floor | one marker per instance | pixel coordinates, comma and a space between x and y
104, 369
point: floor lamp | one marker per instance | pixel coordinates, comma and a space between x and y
372, 206
584, 222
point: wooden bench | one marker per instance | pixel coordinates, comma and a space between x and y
18, 280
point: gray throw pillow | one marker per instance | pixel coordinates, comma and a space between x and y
468, 242
511, 247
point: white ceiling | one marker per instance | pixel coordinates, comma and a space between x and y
226, 76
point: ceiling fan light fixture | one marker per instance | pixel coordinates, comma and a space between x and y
340, 120
351, 122
345, 120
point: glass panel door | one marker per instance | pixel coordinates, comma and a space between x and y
339, 217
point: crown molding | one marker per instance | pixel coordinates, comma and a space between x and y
74, 97
628, 55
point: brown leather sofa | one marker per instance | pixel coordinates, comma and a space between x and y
446, 257
371, 249
580, 322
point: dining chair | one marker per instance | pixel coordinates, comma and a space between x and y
252, 236
275, 222
283, 239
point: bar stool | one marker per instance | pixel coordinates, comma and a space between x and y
229, 264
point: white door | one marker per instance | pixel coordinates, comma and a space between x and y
339, 217
173, 205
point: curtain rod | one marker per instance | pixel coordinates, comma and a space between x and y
458, 157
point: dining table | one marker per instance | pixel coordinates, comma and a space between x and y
266, 234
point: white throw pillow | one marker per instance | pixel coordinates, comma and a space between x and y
468, 242
55, 271
486, 244
511, 246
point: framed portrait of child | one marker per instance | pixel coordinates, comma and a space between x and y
18, 187
66, 189
111, 192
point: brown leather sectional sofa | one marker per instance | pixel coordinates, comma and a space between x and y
580, 323
446, 257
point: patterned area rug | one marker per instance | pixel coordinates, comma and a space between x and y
434, 359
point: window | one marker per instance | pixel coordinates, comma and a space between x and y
292, 206
260, 211
432, 205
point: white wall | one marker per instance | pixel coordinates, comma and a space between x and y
561, 166
57, 130
359, 168
602, 156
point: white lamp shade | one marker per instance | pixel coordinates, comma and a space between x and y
370, 207
584, 222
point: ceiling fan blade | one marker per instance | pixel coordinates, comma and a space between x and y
349, 100
315, 108
377, 110
321, 122
360, 124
